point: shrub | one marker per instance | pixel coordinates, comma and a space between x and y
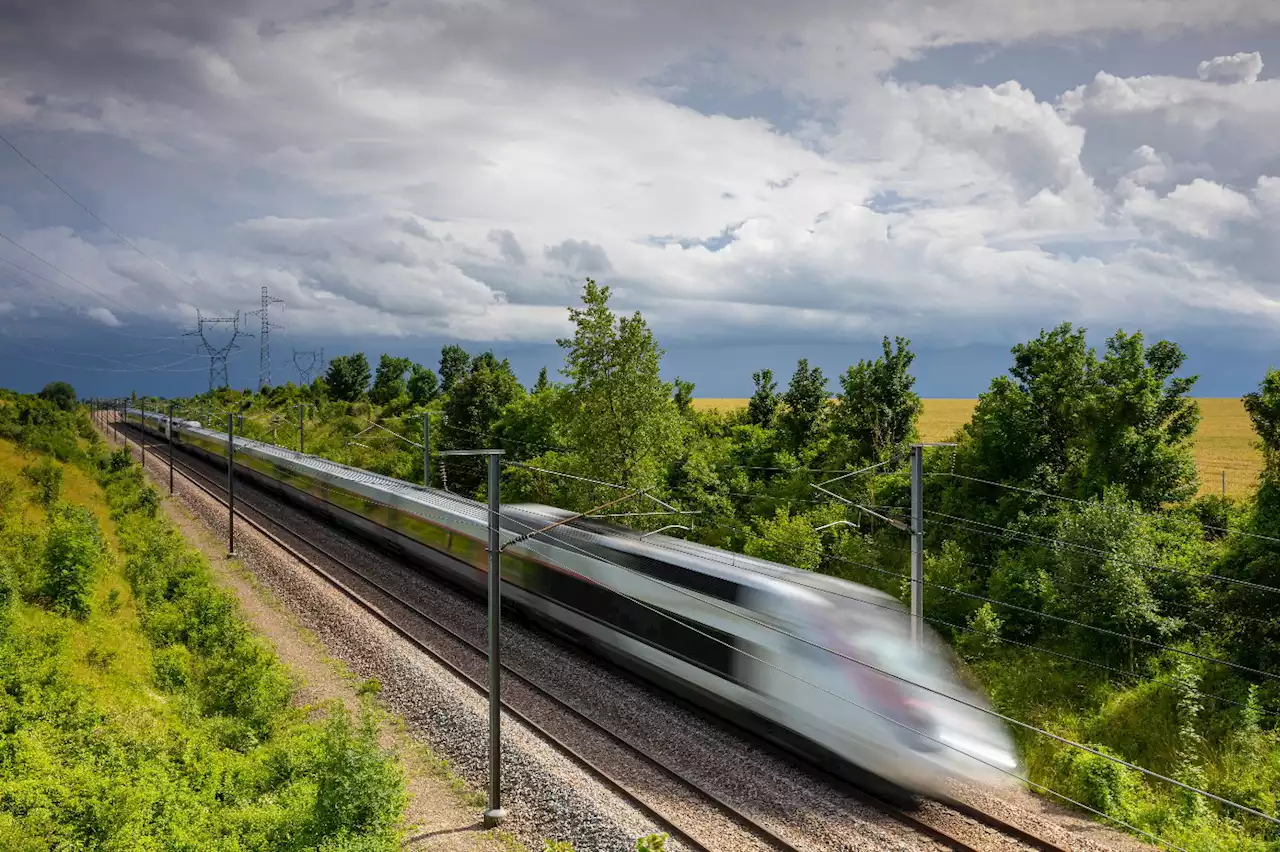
171, 668
652, 843
557, 846
983, 635
46, 475
73, 550
360, 790
1099, 783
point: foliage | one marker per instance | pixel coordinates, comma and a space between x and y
389, 382
73, 552
472, 413
877, 410
423, 386
454, 363
360, 792
347, 378
46, 475
60, 394
762, 408
652, 843
618, 413
804, 405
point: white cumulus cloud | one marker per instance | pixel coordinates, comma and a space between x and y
1239, 68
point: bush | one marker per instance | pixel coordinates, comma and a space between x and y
171, 668
360, 790
72, 553
46, 476
652, 843
1099, 783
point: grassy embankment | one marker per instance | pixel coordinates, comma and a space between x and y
1224, 442
137, 711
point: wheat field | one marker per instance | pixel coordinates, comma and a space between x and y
1224, 441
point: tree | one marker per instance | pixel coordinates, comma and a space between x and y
454, 362
389, 382
805, 404
619, 414
348, 377
762, 409
543, 382
1067, 422
423, 386
60, 394
683, 397
472, 412
876, 417
1105, 571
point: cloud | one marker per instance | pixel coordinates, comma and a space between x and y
507, 244
104, 317
1240, 68
1201, 208
375, 161
580, 256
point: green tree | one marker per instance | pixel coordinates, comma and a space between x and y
876, 417
683, 397
348, 377
454, 362
619, 414
473, 410
1068, 422
389, 381
423, 386
762, 409
543, 382
1104, 574
60, 394
804, 405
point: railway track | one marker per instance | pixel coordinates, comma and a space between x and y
214, 485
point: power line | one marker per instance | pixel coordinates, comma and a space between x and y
96, 292
98, 218
1110, 508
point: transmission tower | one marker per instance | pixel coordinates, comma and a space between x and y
264, 341
218, 354
314, 362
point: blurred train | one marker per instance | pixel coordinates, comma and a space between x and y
748, 639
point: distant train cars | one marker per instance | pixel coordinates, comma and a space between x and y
822, 666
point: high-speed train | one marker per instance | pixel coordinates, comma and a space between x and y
801, 658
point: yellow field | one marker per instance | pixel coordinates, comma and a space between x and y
1224, 442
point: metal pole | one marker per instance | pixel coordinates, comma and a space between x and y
1224, 483
302, 414
170, 431
426, 449
142, 439
231, 486
917, 544
495, 814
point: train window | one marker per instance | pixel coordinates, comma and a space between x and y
696, 643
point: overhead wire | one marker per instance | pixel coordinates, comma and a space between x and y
64, 273
1110, 508
95, 216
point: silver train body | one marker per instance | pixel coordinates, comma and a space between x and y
748, 639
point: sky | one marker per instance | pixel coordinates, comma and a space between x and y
763, 180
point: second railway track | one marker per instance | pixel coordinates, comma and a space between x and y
730, 827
